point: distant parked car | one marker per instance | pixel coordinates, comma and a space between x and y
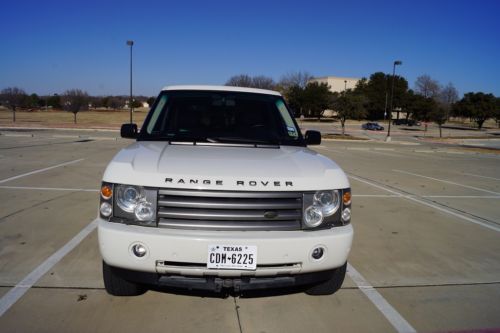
372, 127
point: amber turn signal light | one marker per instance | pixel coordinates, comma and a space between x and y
346, 198
106, 192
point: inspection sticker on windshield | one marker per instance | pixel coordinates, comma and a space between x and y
232, 257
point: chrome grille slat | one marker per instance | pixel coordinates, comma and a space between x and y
226, 214
230, 203
227, 225
229, 194
225, 210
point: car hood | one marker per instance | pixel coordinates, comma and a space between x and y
224, 167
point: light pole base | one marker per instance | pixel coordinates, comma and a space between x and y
387, 139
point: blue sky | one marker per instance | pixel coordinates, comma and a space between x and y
49, 46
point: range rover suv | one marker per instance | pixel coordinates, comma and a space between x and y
219, 190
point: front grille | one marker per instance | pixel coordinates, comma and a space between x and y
223, 210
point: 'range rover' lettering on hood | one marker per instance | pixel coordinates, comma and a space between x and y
287, 168
219, 182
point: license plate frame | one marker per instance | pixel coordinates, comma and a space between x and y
236, 257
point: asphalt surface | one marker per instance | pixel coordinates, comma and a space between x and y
426, 252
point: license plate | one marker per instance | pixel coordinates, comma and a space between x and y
232, 257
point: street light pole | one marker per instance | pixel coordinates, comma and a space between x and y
345, 85
397, 62
130, 43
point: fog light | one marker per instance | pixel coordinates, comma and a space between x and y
346, 215
139, 250
106, 209
318, 253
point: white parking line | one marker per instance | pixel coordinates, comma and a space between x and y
376, 195
425, 203
14, 294
462, 196
396, 320
18, 135
358, 148
473, 175
39, 170
446, 181
48, 188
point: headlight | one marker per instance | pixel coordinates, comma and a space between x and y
127, 197
329, 201
313, 216
134, 204
326, 208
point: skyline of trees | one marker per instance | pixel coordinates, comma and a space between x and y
427, 101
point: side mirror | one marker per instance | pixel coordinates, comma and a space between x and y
129, 131
313, 138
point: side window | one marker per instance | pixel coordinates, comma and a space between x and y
156, 114
285, 115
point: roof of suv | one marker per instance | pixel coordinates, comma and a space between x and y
223, 88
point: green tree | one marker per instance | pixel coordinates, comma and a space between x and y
439, 114
151, 101
34, 100
377, 92
315, 99
294, 96
75, 100
420, 107
477, 106
496, 114
136, 104
349, 105
54, 101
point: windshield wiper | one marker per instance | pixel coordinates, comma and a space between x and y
236, 139
174, 138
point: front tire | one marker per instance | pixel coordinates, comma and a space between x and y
331, 285
117, 286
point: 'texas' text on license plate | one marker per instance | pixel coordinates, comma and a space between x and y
232, 257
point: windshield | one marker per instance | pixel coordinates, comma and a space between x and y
219, 116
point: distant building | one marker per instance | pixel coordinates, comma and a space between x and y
337, 83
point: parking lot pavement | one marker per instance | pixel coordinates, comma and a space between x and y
426, 255
91, 310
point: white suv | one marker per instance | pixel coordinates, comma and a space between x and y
220, 191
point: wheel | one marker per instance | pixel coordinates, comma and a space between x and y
117, 286
331, 285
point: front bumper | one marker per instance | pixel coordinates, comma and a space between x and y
216, 284
173, 252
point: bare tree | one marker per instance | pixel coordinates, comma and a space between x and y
13, 97
299, 79
242, 80
427, 87
75, 100
448, 95
263, 82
